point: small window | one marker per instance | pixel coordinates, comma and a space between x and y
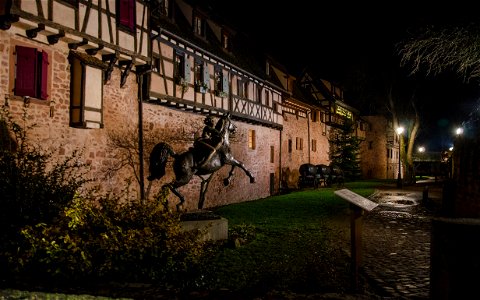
259, 94
31, 73
126, 14
251, 139
202, 76
156, 64
241, 88
267, 98
314, 145
267, 68
73, 3
315, 114
221, 82
290, 146
225, 40
164, 7
370, 145
182, 68
272, 154
199, 25
299, 143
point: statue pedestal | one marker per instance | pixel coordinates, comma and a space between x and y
214, 227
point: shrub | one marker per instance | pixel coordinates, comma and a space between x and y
110, 240
34, 185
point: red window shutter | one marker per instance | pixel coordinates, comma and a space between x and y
43, 73
25, 81
126, 11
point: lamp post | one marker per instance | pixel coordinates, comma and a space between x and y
399, 131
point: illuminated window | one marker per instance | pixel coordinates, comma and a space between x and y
251, 139
299, 143
86, 93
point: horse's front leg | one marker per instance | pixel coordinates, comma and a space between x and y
235, 163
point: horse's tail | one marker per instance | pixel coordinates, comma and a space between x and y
158, 160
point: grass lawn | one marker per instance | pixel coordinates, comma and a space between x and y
289, 242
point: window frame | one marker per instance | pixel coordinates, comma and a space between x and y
251, 139
126, 14
181, 68
31, 76
83, 112
199, 24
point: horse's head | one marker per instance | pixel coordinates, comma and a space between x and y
225, 124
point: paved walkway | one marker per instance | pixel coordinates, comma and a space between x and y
396, 240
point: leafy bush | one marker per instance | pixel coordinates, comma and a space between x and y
111, 240
34, 185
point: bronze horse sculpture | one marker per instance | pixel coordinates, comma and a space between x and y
206, 157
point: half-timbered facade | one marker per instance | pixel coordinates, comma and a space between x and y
96, 75
72, 65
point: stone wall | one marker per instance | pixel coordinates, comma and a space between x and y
120, 111
373, 149
178, 128
301, 127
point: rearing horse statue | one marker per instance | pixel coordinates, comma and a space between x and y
206, 157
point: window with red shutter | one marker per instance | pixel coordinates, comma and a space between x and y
126, 13
26, 75
31, 74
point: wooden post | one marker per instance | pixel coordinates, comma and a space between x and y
358, 204
356, 242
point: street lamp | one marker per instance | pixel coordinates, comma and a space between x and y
399, 131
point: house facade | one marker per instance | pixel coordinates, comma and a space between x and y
114, 77
380, 150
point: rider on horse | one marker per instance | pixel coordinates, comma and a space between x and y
211, 138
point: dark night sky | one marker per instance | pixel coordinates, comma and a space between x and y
338, 38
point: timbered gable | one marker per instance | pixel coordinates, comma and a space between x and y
192, 44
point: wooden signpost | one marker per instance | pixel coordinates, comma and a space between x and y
358, 204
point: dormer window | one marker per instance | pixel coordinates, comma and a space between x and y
225, 40
267, 69
199, 25
164, 7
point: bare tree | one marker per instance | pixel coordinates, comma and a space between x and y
405, 115
436, 49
